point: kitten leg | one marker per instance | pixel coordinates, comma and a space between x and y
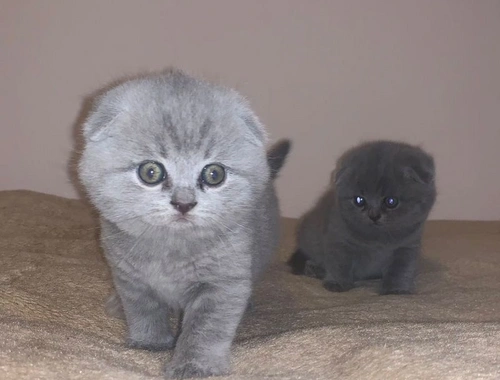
114, 306
338, 266
147, 318
208, 329
400, 276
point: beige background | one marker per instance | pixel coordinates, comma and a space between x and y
327, 74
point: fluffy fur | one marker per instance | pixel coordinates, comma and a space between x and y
341, 241
201, 262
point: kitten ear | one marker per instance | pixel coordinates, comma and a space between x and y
99, 125
339, 174
107, 111
421, 170
256, 132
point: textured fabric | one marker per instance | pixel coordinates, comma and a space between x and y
53, 283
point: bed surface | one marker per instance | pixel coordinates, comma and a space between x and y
53, 283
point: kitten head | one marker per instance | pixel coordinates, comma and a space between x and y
168, 150
385, 185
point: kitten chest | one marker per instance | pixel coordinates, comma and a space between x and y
173, 274
371, 261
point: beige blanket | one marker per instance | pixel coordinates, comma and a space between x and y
53, 282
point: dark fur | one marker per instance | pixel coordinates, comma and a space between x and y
339, 243
276, 156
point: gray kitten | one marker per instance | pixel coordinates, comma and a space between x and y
178, 169
369, 223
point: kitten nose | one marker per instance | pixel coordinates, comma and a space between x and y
183, 208
374, 216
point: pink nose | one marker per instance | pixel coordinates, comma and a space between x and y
183, 208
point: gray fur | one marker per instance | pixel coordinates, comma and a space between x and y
202, 264
339, 243
276, 156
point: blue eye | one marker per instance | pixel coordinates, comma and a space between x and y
391, 202
359, 201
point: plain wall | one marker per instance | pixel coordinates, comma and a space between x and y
327, 74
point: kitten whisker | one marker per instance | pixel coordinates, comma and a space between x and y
125, 258
234, 222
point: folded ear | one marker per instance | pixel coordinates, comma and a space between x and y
109, 109
99, 124
421, 170
255, 130
339, 174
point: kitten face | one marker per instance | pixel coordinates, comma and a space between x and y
172, 151
385, 185
382, 203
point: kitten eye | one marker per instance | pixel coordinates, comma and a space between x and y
359, 201
213, 174
391, 202
151, 172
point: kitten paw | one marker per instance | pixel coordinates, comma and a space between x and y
166, 344
193, 370
337, 287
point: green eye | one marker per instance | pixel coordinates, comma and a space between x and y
213, 174
151, 172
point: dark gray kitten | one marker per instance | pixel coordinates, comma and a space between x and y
178, 170
369, 223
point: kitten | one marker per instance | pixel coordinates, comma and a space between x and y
178, 170
369, 223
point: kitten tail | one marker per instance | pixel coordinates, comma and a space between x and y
276, 156
298, 262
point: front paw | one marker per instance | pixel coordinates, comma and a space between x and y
193, 369
334, 286
159, 345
